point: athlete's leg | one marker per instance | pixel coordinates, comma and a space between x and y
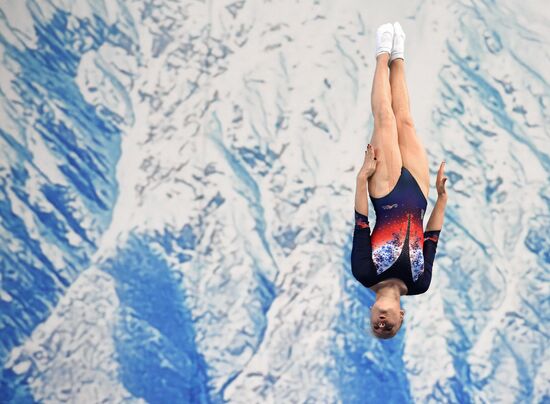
384, 137
413, 154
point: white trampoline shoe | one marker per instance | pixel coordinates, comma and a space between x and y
398, 47
384, 39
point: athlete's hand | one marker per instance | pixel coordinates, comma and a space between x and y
441, 180
369, 164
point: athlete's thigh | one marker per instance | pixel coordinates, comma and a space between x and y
414, 157
388, 156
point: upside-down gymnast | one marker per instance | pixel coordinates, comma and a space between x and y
397, 258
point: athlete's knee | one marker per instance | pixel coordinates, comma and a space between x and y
404, 120
383, 117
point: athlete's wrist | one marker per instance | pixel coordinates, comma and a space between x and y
362, 178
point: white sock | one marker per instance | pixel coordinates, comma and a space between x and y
398, 47
384, 39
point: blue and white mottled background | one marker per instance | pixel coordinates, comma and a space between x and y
176, 202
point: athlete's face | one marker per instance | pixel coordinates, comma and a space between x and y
386, 318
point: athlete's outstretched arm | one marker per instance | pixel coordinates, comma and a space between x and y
438, 212
361, 190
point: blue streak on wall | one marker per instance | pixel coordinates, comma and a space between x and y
265, 292
251, 191
85, 143
155, 338
15, 389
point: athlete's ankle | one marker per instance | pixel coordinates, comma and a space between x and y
393, 62
383, 57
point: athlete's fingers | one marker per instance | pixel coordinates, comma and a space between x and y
370, 156
367, 156
441, 171
369, 163
441, 186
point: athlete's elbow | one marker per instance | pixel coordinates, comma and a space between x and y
358, 273
357, 269
360, 270
424, 285
423, 288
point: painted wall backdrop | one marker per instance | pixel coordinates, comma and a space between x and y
176, 202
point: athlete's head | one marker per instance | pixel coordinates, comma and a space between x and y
386, 317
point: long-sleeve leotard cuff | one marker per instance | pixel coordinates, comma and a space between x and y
432, 235
430, 246
361, 222
362, 266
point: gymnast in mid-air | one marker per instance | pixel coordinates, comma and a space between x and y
397, 258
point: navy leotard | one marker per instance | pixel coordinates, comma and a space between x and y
398, 247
